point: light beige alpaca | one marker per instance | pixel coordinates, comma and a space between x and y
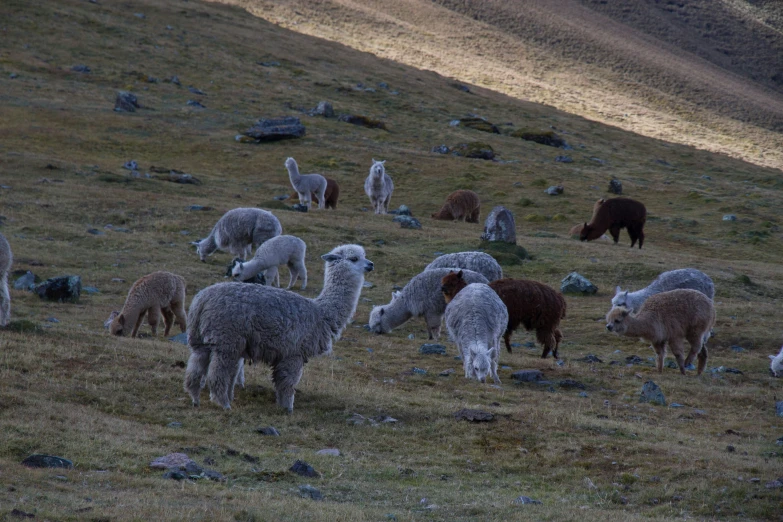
153, 294
669, 317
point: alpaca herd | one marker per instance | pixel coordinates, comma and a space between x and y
230, 323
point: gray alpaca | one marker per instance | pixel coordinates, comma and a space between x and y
306, 185
280, 250
228, 322
239, 231
672, 280
422, 296
6, 260
379, 187
479, 262
476, 319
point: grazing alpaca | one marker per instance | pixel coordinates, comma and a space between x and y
280, 250
479, 262
576, 230
228, 322
379, 187
615, 214
669, 317
460, 205
671, 280
529, 303
153, 294
306, 185
332, 194
6, 260
238, 231
475, 319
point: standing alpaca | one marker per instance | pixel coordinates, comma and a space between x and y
228, 322
669, 317
460, 205
331, 195
238, 231
475, 319
615, 214
6, 260
671, 280
379, 187
280, 250
153, 294
306, 185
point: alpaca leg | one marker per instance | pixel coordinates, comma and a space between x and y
5, 301
702, 359
135, 330
153, 316
240, 378
696, 342
632, 233
493, 367
676, 347
272, 275
474, 216
433, 325
507, 339
292, 275
286, 375
168, 320
640, 235
223, 368
386, 204
558, 336
547, 338
614, 230
302, 269
195, 372
660, 350
322, 198
180, 315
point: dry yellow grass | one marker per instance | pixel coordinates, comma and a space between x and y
106, 403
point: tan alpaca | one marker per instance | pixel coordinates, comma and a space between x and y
153, 294
460, 205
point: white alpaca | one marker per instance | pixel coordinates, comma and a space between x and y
280, 250
306, 185
6, 260
238, 231
776, 364
379, 187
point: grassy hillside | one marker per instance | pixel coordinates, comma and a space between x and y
700, 72
112, 405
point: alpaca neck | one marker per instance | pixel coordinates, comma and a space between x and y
293, 173
639, 328
251, 268
376, 179
208, 244
337, 301
396, 313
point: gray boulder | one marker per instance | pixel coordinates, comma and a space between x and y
46, 461
527, 375
126, 102
575, 283
407, 222
555, 190
324, 109
652, 393
615, 187
275, 129
61, 289
500, 226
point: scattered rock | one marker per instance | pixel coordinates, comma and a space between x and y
26, 282
729, 217
432, 349
90, 290
356, 419
362, 121
176, 176
275, 129
18, 513
730, 448
577, 284
525, 500
195, 90
473, 415
779, 408
555, 190
199, 207
269, 431
476, 123
46, 461
441, 149
460, 87
308, 491
418, 371
13, 76
446, 373
332, 452
590, 358
615, 187
775, 484
324, 108
571, 384
81, 68
652, 393
634, 359
195, 103
737, 349
564, 159
527, 375
175, 474
180, 338
126, 102
407, 222
475, 150
61, 289
403, 210
95, 232
304, 469
500, 226
172, 460
174, 424
131, 165
298, 207
269, 64
543, 138
281, 197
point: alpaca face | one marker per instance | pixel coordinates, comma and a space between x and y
290, 162
480, 366
377, 168
586, 229
377, 323
237, 269
616, 320
451, 284
351, 256
118, 325
620, 298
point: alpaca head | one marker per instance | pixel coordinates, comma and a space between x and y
616, 320
117, 326
348, 259
451, 284
620, 298
112, 316
378, 323
377, 168
290, 163
576, 230
480, 365
586, 229
235, 269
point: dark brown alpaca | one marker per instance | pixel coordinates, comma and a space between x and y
613, 215
330, 195
530, 303
460, 205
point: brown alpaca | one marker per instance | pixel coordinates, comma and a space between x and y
460, 205
530, 303
669, 317
331, 194
153, 294
614, 214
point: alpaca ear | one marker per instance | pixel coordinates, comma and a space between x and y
772, 357
459, 274
617, 290
330, 257
626, 293
585, 225
383, 311
373, 160
121, 320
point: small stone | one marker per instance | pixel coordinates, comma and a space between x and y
555, 190
269, 64
304, 469
775, 484
81, 68
269, 431
95, 232
214, 475
126, 101
46, 461
195, 103
675, 405
708, 178
25, 282
117, 280
18, 513
527, 375
195, 90
615, 187
446, 373
440, 149
737, 349
281, 197
410, 337
131, 165
175, 80
383, 419
755, 480
403, 210
174, 424
356, 419
368, 284
779, 408
578, 284
730, 448
583, 394
140, 15
432, 349
13, 76
299, 207
324, 109
652, 393
308, 491
90, 290
564, 159
407, 222
265, 130
52, 320
171, 461
331, 452
473, 415
729, 217
175, 475
590, 358
419, 371
571, 384
526, 500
